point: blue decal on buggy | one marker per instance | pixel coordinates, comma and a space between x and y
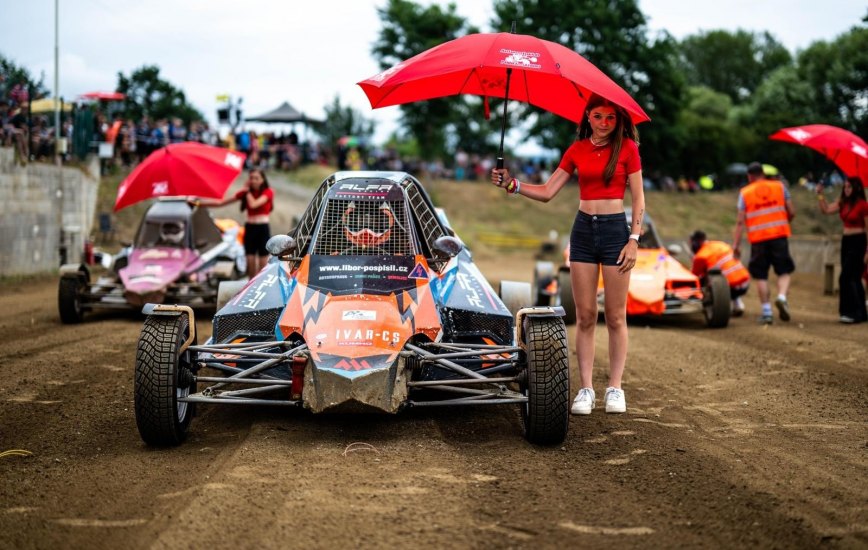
287, 284
442, 287
418, 272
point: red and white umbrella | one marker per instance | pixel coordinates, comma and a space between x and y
847, 150
508, 65
181, 169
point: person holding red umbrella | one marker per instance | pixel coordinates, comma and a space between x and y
257, 199
606, 159
853, 209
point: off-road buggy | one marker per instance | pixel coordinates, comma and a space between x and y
179, 256
371, 304
659, 284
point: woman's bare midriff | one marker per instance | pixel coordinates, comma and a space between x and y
602, 206
263, 218
853, 230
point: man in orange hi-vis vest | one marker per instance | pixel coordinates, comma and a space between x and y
765, 210
708, 255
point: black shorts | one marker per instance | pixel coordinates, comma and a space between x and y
773, 253
598, 239
255, 237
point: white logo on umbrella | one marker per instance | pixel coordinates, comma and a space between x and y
160, 187
527, 60
233, 160
387, 73
859, 150
799, 135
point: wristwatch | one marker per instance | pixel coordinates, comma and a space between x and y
635, 237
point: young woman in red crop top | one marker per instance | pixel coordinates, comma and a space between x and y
257, 199
606, 159
853, 209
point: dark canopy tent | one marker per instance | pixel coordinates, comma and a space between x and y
285, 113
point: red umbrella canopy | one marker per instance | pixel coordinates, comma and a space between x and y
847, 150
545, 74
104, 96
181, 169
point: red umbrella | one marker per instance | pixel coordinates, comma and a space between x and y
104, 96
545, 74
181, 169
847, 150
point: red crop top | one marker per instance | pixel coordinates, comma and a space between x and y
589, 162
854, 216
266, 206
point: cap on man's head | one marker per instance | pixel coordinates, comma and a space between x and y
755, 169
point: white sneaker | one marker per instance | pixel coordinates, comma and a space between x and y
584, 401
615, 401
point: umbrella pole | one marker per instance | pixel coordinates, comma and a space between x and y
503, 122
505, 104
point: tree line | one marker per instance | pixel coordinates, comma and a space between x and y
713, 97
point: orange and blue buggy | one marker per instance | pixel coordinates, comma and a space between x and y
371, 304
659, 284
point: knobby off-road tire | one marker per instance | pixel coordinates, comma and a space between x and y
716, 302
68, 303
543, 273
546, 414
565, 292
161, 376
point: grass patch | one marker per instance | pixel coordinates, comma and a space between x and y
310, 175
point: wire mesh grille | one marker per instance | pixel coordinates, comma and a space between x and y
459, 323
429, 227
307, 224
259, 322
364, 228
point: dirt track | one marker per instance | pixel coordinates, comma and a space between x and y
742, 436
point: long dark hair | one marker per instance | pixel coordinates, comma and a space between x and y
624, 127
857, 193
262, 188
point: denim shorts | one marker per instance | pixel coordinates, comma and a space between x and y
598, 239
255, 237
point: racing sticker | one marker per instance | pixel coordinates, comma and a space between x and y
369, 274
359, 315
418, 272
257, 292
475, 291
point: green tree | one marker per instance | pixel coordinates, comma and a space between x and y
734, 63
783, 99
149, 95
342, 120
711, 138
614, 37
12, 74
409, 29
837, 73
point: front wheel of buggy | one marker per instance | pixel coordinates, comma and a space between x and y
716, 302
69, 299
546, 414
163, 375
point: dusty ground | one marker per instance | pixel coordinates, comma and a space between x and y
744, 436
